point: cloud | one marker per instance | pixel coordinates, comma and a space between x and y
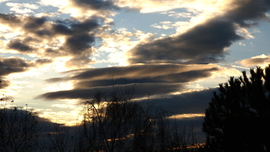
260, 60
4, 83
248, 10
137, 71
22, 8
58, 3
206, 42
142, 90
33, 23
202, 44
10, 20
151, 6
147, 78
19, 46
82, 8
42, 61
17, 65
1, 1
181, 77
13, 65
95, 4
40, 37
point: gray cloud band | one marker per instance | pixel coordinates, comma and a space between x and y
153, 79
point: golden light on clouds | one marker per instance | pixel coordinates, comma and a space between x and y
260, 60
185, 116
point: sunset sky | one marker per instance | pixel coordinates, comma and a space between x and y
55, 54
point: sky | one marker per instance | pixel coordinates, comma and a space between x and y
56, 54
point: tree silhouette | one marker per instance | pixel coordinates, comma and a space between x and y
18, 130
238, 117
114, 122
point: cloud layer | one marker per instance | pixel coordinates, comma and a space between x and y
148, 79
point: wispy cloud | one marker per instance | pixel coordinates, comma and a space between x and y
22, 8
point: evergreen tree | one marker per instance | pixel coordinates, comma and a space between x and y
238, 117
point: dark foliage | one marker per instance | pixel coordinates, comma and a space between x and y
18, 131
238, 117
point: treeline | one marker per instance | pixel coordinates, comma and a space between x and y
111, 123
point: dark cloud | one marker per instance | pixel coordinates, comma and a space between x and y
148, 79
4, 83
17, 65
137, 71
79, 40
200, 44
9, 66
61, 29
43, 33
98, 5
141, 90
39, 62
9, 19
13, 65
85, 26
79, 43
182, 77
33, 23
79, 36
19, 46
75, 27
248, 10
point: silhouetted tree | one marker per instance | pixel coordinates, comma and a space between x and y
18, 130
238, 117
18, 127
114, 122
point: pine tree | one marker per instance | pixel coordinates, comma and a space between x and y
238, 117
